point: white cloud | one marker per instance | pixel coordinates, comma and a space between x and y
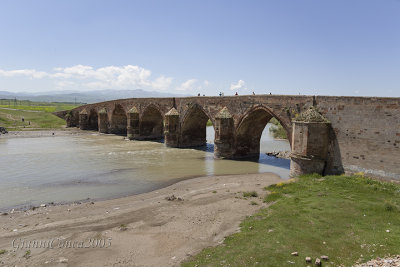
162, 83
240, 85
124, 77
27, 72
206, 83
110, 77
185, 86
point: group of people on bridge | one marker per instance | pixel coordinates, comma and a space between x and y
222, 94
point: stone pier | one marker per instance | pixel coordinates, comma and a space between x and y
310, 141
358, 134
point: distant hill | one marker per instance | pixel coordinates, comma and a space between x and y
84, 97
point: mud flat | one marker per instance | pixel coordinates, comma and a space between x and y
151, 229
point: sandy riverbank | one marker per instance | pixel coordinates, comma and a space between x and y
141, 230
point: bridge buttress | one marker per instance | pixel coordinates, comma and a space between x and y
133, 130
363, 136
103, 121
310, 141
171, 128
224, 134
83, 120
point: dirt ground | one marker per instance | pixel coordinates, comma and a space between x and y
141, 230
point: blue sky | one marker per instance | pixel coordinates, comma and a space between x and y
324, 47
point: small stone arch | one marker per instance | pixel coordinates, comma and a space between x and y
193, 127
151, 123
249, 130
93, 120
119, 120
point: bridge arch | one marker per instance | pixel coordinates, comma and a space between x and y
194, 127
151, 123
250, 128
93, 121
119, 120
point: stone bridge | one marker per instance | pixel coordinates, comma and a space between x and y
361, 134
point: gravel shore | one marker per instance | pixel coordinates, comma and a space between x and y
393, 261
159, 228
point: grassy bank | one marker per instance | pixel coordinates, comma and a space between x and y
36, 106
36, 115
277, 129
349, 219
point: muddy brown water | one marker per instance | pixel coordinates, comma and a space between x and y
76, 168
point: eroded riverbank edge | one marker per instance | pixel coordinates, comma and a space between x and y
145, 229
46, 133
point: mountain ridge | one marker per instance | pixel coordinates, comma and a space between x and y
85, 96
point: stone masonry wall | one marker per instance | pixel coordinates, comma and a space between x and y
367, 131
364, 134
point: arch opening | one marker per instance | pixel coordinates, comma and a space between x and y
151, 124
249, 132
118, 121
194, 128
93, 121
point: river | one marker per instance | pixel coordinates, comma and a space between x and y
75, 168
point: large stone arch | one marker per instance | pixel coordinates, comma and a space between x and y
151, 124
194, 127
93, 120
249, 130
119, 120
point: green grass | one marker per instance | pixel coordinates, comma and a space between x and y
345, 218
40, 108
277, 129
12, 120
253, 203
274, 121
2, 252
250, 194
209, 123
272, 196
39, 114
27, 254
36, 106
